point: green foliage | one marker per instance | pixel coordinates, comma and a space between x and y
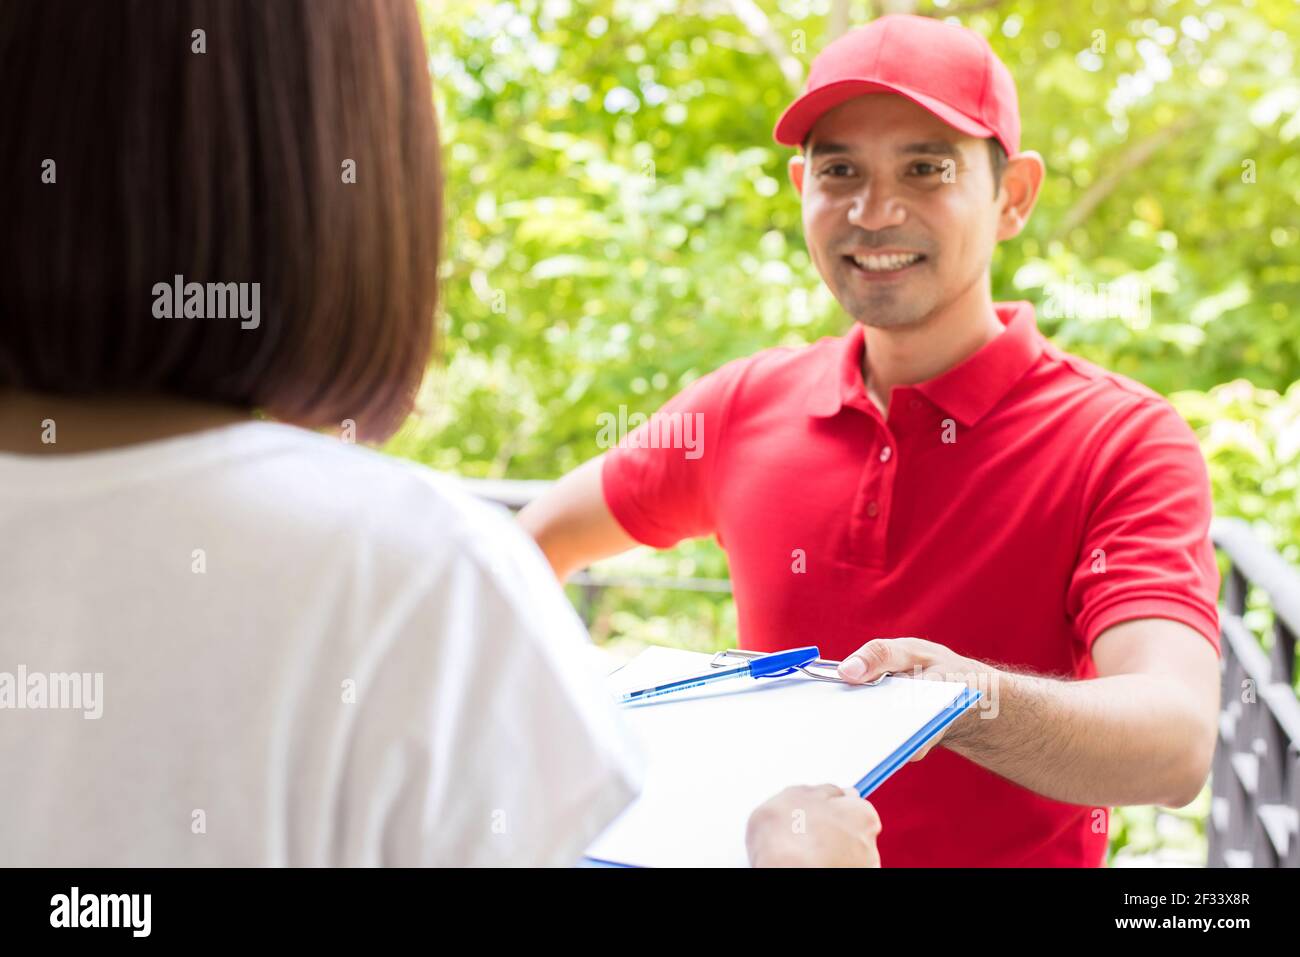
619, 223
619, 220
1251, 440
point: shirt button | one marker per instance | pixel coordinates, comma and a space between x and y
873, 509
885, 453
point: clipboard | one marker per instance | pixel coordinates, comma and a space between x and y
717, 755
824, 669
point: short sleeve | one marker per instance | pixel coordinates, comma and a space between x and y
657, 481
1146, 549
486, 736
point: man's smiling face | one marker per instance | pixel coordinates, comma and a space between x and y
900, 210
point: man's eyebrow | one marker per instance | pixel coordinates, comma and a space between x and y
819, 149
925, 147
931, 147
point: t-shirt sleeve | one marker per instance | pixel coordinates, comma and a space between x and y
1146, 549
487, 738
658, 481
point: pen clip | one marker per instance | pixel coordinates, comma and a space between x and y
720, 660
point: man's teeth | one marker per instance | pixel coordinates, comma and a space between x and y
885, 263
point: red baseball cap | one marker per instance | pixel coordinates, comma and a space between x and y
945, 68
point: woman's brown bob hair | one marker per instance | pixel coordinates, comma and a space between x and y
220, 156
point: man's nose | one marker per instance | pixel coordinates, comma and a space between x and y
875, 208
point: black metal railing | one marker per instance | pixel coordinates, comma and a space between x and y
1255, 781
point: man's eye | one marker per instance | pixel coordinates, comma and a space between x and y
926, 169
836, 169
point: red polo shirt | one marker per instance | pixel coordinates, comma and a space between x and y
1013, 509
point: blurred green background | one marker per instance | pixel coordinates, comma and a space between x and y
619, 223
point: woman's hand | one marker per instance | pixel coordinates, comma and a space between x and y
813, 826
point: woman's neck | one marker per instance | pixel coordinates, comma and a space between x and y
42, 424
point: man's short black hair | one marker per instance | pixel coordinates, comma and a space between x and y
997, 162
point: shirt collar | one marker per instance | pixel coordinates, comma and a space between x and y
967, 391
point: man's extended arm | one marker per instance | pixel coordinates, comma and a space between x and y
1141, 732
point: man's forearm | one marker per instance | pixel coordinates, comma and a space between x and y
1123, 739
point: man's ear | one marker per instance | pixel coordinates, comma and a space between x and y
796, 172
1021, 179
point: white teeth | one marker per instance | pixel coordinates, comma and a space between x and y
886, 263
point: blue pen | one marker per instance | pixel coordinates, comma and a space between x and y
768, 666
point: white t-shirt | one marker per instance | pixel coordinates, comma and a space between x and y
306, 653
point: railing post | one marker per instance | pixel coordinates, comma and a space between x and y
1283, 656
1235, 588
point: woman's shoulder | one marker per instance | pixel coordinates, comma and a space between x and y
408, 507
